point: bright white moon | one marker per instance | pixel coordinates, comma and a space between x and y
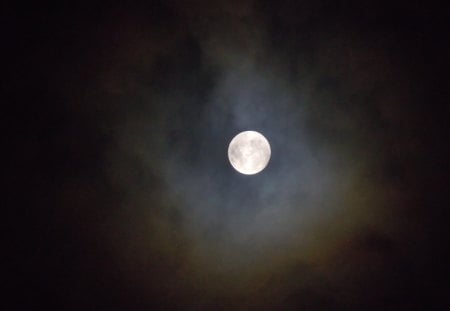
249, 152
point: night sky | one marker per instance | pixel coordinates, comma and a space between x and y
119, 194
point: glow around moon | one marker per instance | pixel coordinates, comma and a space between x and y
249, 152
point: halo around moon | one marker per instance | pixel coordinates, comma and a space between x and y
249, 152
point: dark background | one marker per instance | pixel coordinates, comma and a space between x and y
119, 194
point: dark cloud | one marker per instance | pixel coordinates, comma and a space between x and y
132, 201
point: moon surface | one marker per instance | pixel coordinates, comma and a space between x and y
249, 152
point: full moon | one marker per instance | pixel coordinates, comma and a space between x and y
249, 152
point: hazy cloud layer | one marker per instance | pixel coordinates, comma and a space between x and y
154, 95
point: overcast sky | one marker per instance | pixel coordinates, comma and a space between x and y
121, 121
